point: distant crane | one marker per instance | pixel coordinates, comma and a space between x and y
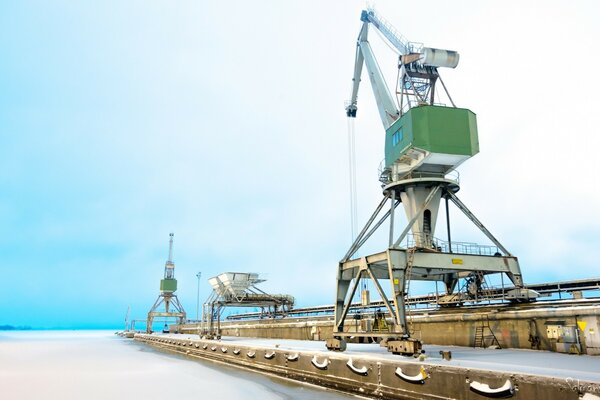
424, 143
127, 318
167, 296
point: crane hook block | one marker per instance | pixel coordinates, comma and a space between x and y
351, 111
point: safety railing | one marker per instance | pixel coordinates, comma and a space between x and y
385, 174
443, 246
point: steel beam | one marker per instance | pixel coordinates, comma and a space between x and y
397, 279
380, 291
358, 239
476, 221
339, 323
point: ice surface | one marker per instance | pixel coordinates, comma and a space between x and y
89, 365
585, 368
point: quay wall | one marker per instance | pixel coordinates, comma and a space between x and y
373, 377
527, 328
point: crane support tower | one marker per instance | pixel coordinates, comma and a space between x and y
425, 142
167, 297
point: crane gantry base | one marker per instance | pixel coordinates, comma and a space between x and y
425, 260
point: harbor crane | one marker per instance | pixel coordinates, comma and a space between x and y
425, 142
167, 296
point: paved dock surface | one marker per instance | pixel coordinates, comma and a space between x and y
533, 362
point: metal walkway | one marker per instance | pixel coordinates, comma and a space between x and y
493, 294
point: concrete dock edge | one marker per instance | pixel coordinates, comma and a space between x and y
377, 378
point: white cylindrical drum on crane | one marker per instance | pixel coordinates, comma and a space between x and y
439, 57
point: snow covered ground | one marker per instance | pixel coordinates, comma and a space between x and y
93, 365
585, 368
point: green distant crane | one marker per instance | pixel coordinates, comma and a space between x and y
167, 297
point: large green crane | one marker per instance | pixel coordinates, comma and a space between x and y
425, 141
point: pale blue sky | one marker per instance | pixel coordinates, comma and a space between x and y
223, 122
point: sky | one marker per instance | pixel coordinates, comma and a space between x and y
224, 122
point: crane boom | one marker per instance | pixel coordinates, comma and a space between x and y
170, 260
388, 111
388, 30
417, 70
386, 105
169, 265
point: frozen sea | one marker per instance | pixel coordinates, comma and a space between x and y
91, 365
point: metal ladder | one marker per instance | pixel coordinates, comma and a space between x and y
410, 258
481, 337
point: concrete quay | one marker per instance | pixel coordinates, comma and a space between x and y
370, 371
563, 326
